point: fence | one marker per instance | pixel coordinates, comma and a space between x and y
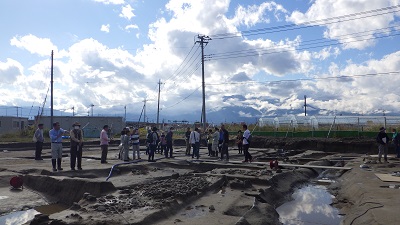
325, 126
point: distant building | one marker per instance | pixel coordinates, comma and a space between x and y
91, 125
12, 124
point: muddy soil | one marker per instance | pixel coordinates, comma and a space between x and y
206, 191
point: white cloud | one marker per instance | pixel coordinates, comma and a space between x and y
33, 44
113, 2
254, 14
105, 28
348, 32
9, 71
131, 26
127, 12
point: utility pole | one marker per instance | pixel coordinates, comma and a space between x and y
73, 110
92, 108
51, 81
203, 39
125, 114
305, 105
144, 111
158, 105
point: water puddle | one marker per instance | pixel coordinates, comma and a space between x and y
18, 218
310, 206
21, 217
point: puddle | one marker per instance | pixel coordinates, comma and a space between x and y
18, 218
21, 217
197, 211
310, 206
3, 197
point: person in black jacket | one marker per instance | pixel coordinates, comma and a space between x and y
383, 140
396, 142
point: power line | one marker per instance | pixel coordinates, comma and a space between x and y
308, 79
265, 52
307, 24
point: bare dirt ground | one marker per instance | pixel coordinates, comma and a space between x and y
186, 191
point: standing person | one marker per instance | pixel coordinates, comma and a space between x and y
39, 142
239, 141
135, 143
215, 142
168, 137
396, 142
225, 143
104, 141
187, 137
220, 140
383, 140
148, 140
209, 142
195, 141
163, 144
246, 144
56, 145
125, 144
75, 150
153, 144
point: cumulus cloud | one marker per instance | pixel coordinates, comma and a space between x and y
105, 28
347, 30
113, 2
253, 14
127, 12
33, 44
9, 71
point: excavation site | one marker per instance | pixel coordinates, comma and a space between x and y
289, 181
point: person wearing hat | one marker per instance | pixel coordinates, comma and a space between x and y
39, 139
76, 146
383, 139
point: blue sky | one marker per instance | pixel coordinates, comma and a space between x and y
112, 53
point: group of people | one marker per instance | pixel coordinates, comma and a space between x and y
383, 141
55, 134
217, 142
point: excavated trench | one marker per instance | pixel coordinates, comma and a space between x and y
182, 191
175, 191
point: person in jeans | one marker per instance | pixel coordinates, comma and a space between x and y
153, 144
104, 141
195, 141
383, 140
135, 143
39, 142
246, 144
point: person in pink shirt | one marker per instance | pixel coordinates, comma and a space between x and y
104, 140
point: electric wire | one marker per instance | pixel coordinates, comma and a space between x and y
312, 41
266, 52
307, 79
305, 24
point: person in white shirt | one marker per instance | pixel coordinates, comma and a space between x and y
246, 144
195, 141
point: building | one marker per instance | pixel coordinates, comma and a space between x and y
91, 125
12, 124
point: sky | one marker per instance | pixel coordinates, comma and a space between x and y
112, 56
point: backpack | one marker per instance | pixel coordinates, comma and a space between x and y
149, 138
249, 138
